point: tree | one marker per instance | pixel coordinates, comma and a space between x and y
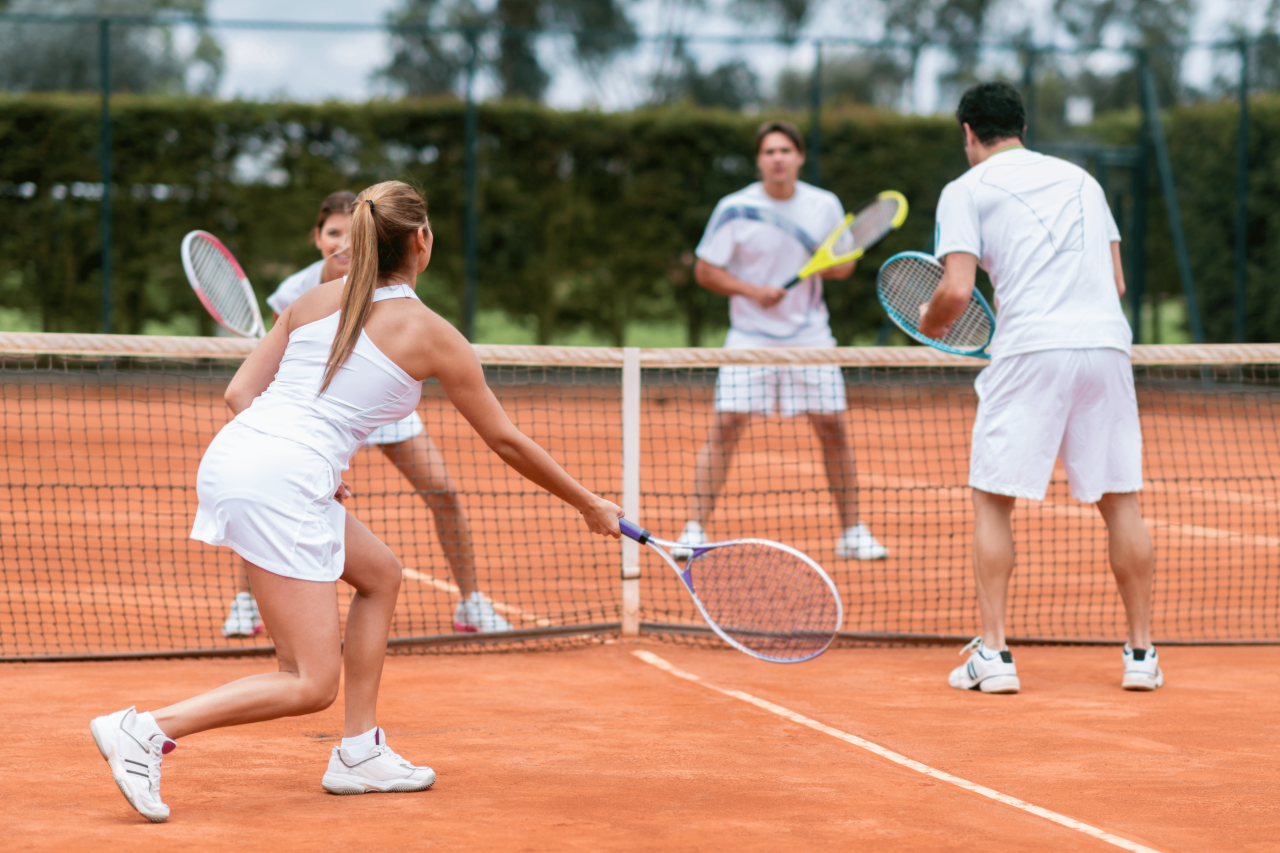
55, 56
873, 78
426, 63
731, 85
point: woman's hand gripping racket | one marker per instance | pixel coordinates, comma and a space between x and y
906, 283
763, 598
221, 284
859, 232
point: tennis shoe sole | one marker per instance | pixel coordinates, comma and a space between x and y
345, 786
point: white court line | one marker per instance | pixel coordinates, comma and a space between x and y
1062, 820
452, 588
1193, 531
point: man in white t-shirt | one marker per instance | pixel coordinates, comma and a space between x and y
756, 240
1060, 384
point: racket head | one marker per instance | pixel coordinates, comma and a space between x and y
221, 284
860, 231
765, 599
907, 280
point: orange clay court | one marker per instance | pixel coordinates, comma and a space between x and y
573, 740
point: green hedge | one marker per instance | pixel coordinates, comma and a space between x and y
587, 220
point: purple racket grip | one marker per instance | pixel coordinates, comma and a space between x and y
633, 531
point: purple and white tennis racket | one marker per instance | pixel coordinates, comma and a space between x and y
761, 597
220, 282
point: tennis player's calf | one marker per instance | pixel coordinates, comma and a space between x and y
1128, 545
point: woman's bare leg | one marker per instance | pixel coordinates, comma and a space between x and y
423, 466
302, 617
375, 573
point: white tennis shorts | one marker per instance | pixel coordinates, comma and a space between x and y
767, 389
1075, 404
270, 500
410, 426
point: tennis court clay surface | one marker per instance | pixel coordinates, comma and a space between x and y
601, 749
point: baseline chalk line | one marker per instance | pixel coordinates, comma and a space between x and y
888, 754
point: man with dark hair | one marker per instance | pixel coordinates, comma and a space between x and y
1060, 384
757, 238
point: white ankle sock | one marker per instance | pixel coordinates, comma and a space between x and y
147, 726
363, 744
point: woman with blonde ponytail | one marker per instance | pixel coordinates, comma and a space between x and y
343, 360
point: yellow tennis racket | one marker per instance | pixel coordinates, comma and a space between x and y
859, 232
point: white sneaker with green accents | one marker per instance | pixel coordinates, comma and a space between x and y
1141, 669
988, 671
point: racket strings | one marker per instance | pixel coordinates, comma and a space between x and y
909, 282
769, 600
873, 223
221, 283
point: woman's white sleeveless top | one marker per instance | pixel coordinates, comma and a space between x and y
370, 390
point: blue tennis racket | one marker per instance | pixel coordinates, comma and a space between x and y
761, 597
908, 280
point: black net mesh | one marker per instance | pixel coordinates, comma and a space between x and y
98, 495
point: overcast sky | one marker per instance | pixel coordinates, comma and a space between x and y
314, 66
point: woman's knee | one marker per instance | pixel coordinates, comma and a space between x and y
315, 694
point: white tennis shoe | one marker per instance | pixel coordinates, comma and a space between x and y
693, 536
380, 771
1141, 669
243, 619
988, 671
476, 613
857, 543
134, 759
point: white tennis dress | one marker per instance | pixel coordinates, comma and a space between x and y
267, 481
411, 425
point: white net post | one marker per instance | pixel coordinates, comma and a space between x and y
631, 489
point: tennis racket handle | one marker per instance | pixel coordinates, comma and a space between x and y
791, 284
633, 531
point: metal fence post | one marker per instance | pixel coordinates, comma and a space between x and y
104, 155
815, 118
1029, 94
472, 143
1137, 278
1242, 194
1167, 186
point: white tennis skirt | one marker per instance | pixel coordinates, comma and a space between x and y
410, 426
270, 500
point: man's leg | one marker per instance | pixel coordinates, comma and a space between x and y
837, 456
711, 467
1132, 561
992, 562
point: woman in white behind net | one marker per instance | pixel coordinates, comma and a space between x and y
343, 360
404, 443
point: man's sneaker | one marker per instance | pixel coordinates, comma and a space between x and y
990, 672
242, 618
1141, 669
693, 536
857, 543
134, 758
378, 771
476, 613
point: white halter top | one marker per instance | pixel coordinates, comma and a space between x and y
370, 390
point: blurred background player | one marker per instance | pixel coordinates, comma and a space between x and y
738, 256
405, 443
1060, 384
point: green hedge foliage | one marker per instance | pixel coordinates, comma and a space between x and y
587, 220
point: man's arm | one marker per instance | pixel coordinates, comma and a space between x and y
837, 273
720, 280
960, 271
1115, 263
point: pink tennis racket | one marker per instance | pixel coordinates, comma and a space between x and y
220, 282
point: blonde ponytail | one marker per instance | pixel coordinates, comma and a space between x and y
383, 219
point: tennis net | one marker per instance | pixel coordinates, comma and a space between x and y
103, 435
